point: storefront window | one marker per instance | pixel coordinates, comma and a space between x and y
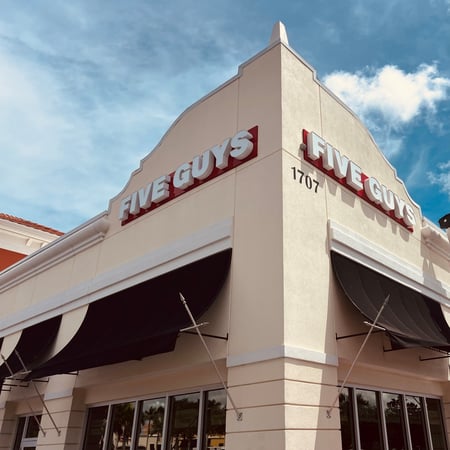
347, 432
19, 433
368, 419
121, 426
96, 428
216, 407
151, 423
392, 408
416, 422
27, 433
389, 421
436, 424
184, 422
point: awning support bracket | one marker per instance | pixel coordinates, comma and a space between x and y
39, 395
187, 330
372, 326
196, 327
436, 357
33, 414
358, 334
443, 352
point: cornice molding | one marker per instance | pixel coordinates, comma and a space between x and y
54, 253
436, 240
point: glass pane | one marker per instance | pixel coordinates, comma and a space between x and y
121, 426
184, 422
392, 406
346, 420
436, 424
33, 426
95, 428
416, 424
19, 433
151, 424
216, 408
369, 422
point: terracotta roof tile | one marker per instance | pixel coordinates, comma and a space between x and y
30, 224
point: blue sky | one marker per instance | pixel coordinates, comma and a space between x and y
88, 88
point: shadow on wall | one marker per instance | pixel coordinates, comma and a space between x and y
328, 433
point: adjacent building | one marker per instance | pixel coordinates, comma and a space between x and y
20, 238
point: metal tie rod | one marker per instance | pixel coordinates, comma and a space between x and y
39, 394
196, 327
372, 326
33, 414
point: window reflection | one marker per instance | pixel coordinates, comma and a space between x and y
19, 433
416, 423
346, 420
96, 428
392, 406
436, 424
121, 426
151, 424
369, 423
169, 423
32, 429
216, 406
409, 425
184, 422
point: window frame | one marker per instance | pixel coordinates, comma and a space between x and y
21, 440
138, 401
403, 416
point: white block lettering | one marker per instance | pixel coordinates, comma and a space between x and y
182, 177
373, 190
354, 176
387, 201
203, 165
124, 208
316, 146
160, 189
340, 164
241, 144
222, 153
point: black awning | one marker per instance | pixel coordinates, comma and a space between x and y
142, 320
34, 343
410, 318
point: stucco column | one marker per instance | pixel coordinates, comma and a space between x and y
7, 424
67, 409
446, 409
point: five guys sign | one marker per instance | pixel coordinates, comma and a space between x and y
232, 152
337, 166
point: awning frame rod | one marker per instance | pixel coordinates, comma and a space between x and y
372, 326
446, 354
338, 338
196, 327
187, 330
39, 395
33, 414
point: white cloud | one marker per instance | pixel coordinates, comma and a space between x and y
441, 177
388, 99
80, 105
